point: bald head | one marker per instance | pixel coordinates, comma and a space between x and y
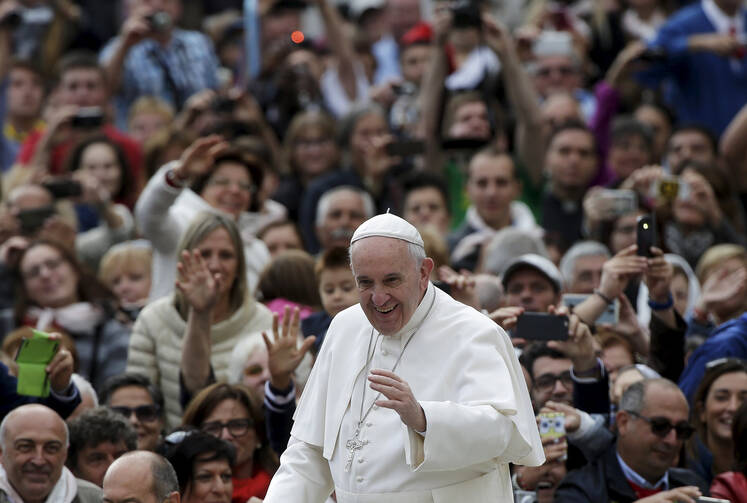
27, 197
141, 476
33, 441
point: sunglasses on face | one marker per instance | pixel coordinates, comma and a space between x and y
143, 413
236, 427
661, 426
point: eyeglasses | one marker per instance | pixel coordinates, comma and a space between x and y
34, 271
236, 427
143, 413
660, 426
547, 381
225, 182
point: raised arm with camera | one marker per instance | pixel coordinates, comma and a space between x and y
341, 46
135, 29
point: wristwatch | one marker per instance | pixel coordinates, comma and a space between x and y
174, 180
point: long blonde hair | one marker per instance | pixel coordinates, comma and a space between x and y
203, 224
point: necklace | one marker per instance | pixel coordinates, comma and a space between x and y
354, 443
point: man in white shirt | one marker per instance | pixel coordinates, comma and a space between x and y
414, 398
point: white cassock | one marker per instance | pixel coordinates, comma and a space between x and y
462, 369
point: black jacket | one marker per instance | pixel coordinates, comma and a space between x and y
603, 481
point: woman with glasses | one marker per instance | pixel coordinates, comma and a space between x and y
225, 411
202, 464
54, 294
310, 151
197, 327
211, 176
715, 404
135, 397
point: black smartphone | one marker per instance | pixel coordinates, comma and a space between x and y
405, 148
542, 327
32, 220
63, 188
463, 143
88, 118
652, 55
645, 233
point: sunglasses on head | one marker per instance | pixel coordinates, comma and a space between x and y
660, 426
144, 413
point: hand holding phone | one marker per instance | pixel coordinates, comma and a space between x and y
645, 232
33, 357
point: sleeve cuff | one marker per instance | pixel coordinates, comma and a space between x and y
586, 425
68, 395
588, 380
277, 400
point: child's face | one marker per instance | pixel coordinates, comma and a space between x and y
337, 290
131, 286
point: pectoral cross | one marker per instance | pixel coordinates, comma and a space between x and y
353, 444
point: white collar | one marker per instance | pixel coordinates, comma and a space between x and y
632, 476
720, 20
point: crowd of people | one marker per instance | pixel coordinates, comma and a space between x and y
181, 182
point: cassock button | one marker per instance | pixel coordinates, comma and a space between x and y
360, 460
359, 479
369, 424
384, 351
375, 407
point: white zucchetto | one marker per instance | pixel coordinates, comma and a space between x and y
389, 226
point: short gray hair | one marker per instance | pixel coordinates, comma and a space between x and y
577, 251
507, 244
634, 398
325, 201
165, 481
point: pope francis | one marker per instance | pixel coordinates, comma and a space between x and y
415, 398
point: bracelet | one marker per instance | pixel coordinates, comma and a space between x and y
175, 180
661, 306
603, 296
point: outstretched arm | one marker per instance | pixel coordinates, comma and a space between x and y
341, 46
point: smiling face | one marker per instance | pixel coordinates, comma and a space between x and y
34, 451
389, 284
220, 256
49, 279
100, 160
256, 372
131, 285
148, 429
211, 482
229, 188
425, 206
724, 398
648, 454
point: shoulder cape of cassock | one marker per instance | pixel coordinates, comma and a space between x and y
461, 357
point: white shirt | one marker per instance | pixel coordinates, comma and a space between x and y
462, 370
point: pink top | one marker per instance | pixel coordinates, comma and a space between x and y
278, 305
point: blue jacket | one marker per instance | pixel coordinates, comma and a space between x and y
10, 399
729, 339
701, 87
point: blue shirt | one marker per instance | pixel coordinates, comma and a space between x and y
729, 339
186, 65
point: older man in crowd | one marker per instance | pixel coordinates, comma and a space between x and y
142, 477
394, 429
33, 448
340, 211
652, 427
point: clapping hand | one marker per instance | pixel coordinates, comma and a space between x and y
284, 354
200, 287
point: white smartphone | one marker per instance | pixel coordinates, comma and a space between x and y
610, 315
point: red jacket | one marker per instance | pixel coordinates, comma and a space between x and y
731, 486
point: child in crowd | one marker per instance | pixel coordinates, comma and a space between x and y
126, 271
337, 290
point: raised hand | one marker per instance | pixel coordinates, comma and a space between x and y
200, 287
60, 369
580, 344
572, 417
723, 291
629, 327
496, 35
658, 276
399, 398
507, 317
462, 285
284, 354
198, 158
618, 270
